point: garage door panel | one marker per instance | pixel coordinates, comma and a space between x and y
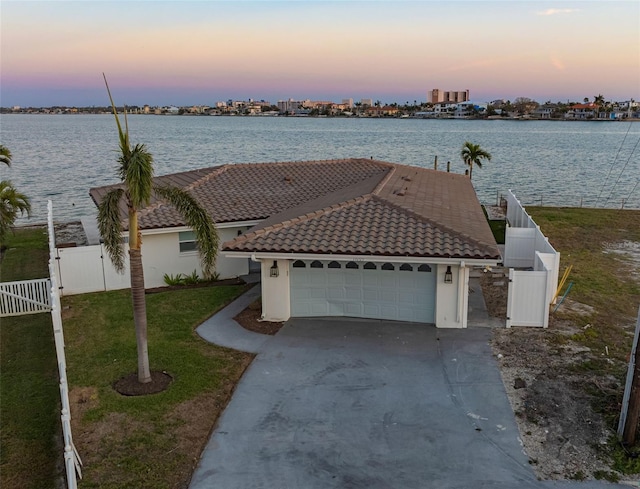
367, 293
353, 294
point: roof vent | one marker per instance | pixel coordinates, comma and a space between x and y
402, 192
288, 179
406, 178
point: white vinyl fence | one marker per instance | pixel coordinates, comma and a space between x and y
532, 288
88, 269
72, 461
25, 297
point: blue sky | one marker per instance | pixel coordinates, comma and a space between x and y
199, 52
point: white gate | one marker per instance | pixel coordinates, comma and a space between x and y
527, 303
88, 269
25, 297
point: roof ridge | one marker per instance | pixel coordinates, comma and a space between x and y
217, 170
442, 227
384, 180
303, 218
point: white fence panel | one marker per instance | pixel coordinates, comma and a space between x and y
519, 249
527, 299
80, 269
88, 269
112, 279
24, 297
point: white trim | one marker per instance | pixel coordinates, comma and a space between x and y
358, 258
178, 229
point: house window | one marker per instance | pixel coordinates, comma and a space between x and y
388, 266
370, 266
424, 268
299, 264
405, 267
333, 264
316, 264
187, 241
352, 265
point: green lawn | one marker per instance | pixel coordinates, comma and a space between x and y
29, 394
150, 441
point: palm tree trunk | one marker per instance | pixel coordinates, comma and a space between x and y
139, 300
139, 314
470, 170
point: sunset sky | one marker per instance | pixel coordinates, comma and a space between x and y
200, 52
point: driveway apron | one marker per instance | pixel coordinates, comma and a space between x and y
348, 403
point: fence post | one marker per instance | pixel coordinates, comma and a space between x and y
625, 431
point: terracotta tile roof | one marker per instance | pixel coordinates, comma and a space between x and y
245, 192
354, 206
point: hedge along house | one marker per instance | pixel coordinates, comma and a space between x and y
356, 237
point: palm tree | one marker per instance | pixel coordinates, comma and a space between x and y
473, 154
12, 202
135, 170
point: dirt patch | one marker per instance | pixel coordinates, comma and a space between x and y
552, 388
250, 319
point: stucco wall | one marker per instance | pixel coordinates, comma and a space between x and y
276, 301
161, 254
452, 300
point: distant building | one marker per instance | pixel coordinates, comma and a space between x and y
366, 102
348, 102
436, 96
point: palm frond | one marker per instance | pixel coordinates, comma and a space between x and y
198, 220
110, 226
123, 135
5, 155
12, 203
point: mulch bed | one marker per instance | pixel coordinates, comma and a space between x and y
129, 385
250, 319
217, 283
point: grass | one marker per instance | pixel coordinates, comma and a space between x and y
29, 394
140, 437
26, 256
151, 441
600, 279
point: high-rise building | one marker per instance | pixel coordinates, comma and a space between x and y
436, 96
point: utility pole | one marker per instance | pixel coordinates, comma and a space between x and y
435, 163
630, 414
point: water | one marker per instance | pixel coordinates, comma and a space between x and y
554, 163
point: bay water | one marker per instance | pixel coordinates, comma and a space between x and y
590, 164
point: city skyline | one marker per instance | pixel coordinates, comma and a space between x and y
197, 52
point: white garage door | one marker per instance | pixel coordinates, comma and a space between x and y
367, 290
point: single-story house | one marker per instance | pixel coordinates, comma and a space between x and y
353, 237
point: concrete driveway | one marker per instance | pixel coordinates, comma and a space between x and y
348, 403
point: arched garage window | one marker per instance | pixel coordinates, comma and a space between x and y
424, 268
299, 264
352, 265
370, 266
388, 266
405, 267
316, 264
333, 264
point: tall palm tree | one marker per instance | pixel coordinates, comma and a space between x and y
135, 170
12, 202
473, 154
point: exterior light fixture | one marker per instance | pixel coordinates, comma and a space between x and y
448, 276
273, 271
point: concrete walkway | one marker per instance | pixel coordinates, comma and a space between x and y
222, 330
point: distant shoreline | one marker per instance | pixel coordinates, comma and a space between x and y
256, 116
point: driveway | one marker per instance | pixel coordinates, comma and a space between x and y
348, 403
